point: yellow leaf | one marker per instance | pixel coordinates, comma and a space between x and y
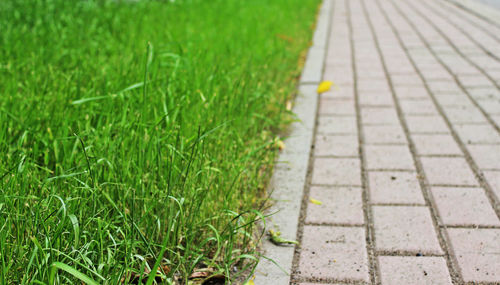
281, 145
250, 282
314, 201
324, 86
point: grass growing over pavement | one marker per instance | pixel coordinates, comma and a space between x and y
137, 135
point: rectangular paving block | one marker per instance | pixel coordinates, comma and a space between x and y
373, 85
426, 124
394, 188
406, 80
337, 125
409, 270
454, 100
490, 106
343, 92
329, 106
388, 157
339, 205
486, 156
428, 144
341, 77
404, 229
384, 116
334, 253
370, 73
410, 92
439, 74
471, 134
448, 171
443, 87
464, 115
477, 252
493, 179
375, 98
475, 208
337, 171
474, 81
377, 134
418, 107
336, 145
483, 93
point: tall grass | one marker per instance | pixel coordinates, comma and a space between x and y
137, 135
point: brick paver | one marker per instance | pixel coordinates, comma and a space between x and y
396, 270
406, 158
334, 253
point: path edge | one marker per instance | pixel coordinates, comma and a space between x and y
286, 187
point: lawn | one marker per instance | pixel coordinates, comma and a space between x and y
138, 136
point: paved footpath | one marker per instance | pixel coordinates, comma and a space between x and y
406, 152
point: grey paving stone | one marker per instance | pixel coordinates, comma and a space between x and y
396, 187
426, 124
471, 134
328, 106
436, 145
384, 116
384, 134
336, 145
396, 270
486, 156
337, 171
475, 208
337, 125
477, 252
339, 205
388, 157
334, 252
405, 229
448, 171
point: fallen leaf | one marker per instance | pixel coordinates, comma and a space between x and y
324, 86
314, 201
289, 105
250, 282
281, 145
278, 240
199, 274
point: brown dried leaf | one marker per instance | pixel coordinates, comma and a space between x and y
199, 274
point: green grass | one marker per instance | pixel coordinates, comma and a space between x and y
140, 134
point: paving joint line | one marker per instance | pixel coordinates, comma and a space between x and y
329, 281
457, 26
468, 227
310, 162
474, 13
373, 268
452, 44
406, 253
291, 178
335, 225
467, 18
453, 265
456, 278
468, 157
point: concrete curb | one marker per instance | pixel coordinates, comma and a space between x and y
479, 9
287, 184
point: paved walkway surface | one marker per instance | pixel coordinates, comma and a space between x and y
406, 158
